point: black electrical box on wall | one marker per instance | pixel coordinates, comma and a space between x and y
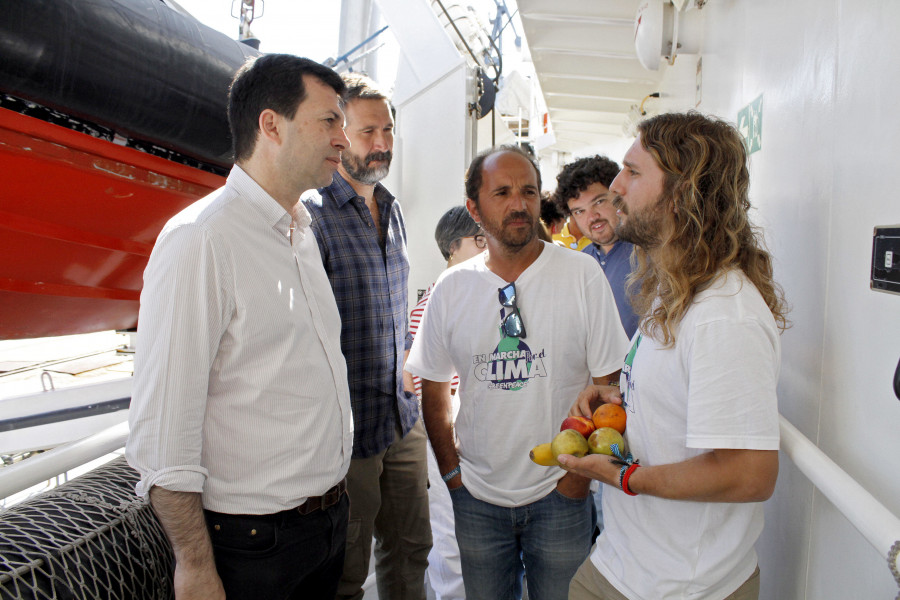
886, 259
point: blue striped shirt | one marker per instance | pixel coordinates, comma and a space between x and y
370, 285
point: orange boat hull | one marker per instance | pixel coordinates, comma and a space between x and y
78, 218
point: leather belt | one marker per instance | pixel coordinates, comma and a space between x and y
326, 500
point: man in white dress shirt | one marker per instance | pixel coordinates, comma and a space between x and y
241, 427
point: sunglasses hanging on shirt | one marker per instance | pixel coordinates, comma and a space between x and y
511, 323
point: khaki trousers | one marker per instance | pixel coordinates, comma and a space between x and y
389, 501
589, 584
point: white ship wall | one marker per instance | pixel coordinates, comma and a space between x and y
824, 177
436, 137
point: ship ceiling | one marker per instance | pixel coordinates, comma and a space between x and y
584, 56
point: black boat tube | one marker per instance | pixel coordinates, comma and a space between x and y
137, 67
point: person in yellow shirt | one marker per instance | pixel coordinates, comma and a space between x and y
571, 237
563, 231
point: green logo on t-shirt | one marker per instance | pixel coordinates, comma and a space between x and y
510, 365
626, 371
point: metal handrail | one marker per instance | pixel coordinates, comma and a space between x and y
877, 524
45, 466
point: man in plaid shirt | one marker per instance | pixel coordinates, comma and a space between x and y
362, 238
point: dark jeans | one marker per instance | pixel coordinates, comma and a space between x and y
283, 556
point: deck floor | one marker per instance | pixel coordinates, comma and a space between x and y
68, 361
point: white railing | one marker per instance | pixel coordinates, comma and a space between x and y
64, 415
877, 524
45, 466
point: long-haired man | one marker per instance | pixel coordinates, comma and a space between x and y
699, 381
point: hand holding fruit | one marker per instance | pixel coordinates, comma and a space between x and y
579, 436
592, 396
594, 466
606, 439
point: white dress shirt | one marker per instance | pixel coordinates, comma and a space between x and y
240, 387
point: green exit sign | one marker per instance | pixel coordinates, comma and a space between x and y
749, 123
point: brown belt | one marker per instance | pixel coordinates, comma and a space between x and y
329, 498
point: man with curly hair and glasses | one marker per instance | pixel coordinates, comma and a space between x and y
699, 383
582, 192
526, 325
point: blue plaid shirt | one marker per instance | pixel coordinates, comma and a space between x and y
370, 286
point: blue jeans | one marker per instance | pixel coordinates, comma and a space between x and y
282, 556
547, 539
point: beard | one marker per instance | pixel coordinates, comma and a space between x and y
642, 228
511, 238
608, 236
359, 170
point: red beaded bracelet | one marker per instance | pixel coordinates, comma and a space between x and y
626, 476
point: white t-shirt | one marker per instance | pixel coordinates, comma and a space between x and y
515, 393
714, 389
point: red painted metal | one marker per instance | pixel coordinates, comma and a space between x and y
78, 219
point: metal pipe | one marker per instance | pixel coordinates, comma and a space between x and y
34, 470
345, 56
349, 63
458, 33
875, 522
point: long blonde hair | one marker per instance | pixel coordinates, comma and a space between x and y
707, 179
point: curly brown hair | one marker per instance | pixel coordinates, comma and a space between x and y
578, 175
707, 177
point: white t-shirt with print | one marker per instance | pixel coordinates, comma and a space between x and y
515, 393
714, 389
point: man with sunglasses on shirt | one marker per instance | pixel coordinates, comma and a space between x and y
526, 325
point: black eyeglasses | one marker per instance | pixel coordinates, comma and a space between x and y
510, 324
479, 239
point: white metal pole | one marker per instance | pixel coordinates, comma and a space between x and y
875, 522
34, 470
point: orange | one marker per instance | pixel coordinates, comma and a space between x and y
610, 415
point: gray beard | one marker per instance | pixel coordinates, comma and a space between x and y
359, 172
